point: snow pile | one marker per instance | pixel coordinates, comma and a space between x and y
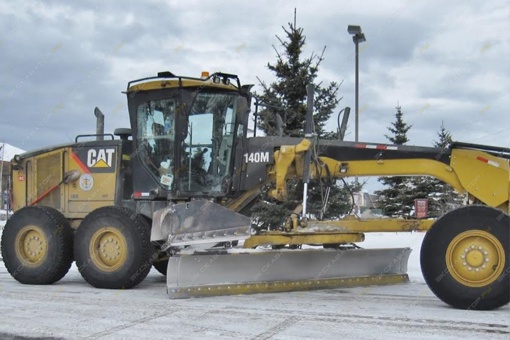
3, 219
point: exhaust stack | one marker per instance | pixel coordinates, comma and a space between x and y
99, 124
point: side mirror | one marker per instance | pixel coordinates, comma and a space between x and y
242, 110
343, 126
279, 125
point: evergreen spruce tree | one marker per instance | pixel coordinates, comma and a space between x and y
445, 138
442, 197
396, 200
287, 97
399, 129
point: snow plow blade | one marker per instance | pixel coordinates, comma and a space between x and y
198, 222
268, 271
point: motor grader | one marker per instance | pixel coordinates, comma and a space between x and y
174, 190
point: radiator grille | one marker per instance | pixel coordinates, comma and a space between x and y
49, 173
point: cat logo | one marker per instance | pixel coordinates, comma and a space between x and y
95, 159
100, 158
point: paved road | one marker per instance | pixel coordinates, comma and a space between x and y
72, 309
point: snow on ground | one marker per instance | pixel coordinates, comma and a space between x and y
71, 309
3, 220
4, 214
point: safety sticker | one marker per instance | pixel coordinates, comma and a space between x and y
86, 182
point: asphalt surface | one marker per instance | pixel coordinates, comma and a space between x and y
71, 309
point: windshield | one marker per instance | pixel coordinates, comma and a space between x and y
156, 136
207, 146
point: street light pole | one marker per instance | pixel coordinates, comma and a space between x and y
357, 37
356, 91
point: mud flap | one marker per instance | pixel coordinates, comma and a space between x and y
266, 271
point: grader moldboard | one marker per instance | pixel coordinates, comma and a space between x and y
188, 168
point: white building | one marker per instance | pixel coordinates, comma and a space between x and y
365, 201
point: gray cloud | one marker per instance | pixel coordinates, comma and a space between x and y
59, 60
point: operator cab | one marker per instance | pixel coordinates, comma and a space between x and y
184, 134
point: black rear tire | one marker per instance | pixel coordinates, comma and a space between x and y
465, 258
37, 245
112, 248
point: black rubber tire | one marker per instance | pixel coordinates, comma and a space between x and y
138, 255
161, 266
59, 252
433, 258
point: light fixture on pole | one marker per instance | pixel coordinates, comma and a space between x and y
357, 37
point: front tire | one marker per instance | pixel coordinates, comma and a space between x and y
465, 258
112, 248
37, 245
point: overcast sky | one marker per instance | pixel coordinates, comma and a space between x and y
440, 60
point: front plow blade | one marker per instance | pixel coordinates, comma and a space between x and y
255, 271
198, 222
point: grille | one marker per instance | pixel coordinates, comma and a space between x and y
49, 173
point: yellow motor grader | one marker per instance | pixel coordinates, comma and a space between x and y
174, 190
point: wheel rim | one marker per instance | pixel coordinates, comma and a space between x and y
31, 245
475, 258
108, 249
